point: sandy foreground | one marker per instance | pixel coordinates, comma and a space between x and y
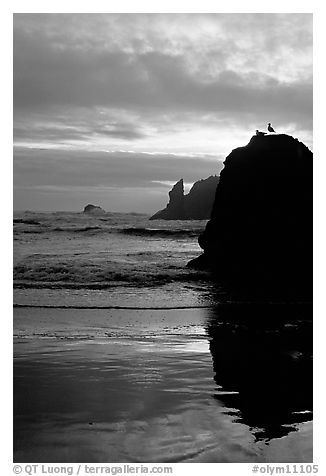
190, 385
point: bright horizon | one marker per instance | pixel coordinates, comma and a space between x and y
113, 109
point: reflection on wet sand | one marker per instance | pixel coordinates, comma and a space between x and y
262, 359
226, 384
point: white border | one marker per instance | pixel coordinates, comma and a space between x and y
267, 6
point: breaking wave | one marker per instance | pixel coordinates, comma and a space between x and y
73, 251
160, 232
77, 230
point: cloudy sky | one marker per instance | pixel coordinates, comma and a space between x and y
112, 109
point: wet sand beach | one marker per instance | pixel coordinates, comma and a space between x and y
227, 383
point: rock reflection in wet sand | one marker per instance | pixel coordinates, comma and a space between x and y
228, 384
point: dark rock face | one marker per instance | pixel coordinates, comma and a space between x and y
94, 209
196, 205
199, 201
259, 237
175, 209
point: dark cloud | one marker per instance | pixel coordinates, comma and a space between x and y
37, 132
34, 167
45, 77
84, 83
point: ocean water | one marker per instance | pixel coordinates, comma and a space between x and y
111, 259
122, 354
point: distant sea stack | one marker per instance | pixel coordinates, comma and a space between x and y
196, 205
93, 209
175, 209
258, 241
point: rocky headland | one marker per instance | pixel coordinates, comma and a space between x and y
196, 205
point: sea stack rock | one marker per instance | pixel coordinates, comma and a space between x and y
175, 209
197, 204
259, 238
93, 209
199, 201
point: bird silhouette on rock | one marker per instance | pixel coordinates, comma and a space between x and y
260, 133
269, 128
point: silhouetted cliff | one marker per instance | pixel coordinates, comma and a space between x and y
196, 205
175, 209
199, 201
259, 238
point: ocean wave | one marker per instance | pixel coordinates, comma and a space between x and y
98, 229
25, 222
74, 251
46, 229
133, 308
81, 229
130, 225
32, 231
160, 232
68, 277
